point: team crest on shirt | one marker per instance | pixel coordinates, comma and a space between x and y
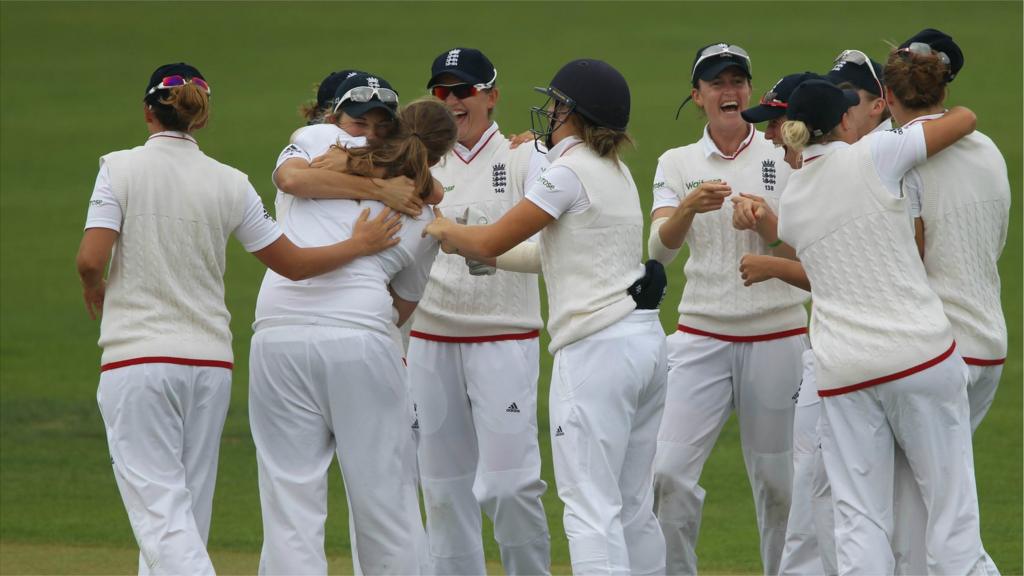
768, 174
499, 178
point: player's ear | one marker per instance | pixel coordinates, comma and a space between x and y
492, 98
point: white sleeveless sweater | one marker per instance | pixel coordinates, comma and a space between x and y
165, 292
590, 258
456, 305
874, 318
965, 206
714, 300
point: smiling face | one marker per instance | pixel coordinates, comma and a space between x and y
472, 114
374, 125
866, 115
723, 98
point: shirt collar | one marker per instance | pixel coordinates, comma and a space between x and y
924, 118
710, 148
468, 154
882, 126
562, 147
815, 150
173, 134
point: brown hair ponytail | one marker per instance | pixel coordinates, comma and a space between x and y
185, 108
426, 132
917, 80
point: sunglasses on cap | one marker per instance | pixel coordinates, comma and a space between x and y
179, 80
861, 59
923, 49
720, 50
771, 100
362, 94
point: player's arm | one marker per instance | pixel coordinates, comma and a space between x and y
404, 307
93, 257
368, 237
756, 268
942, 132
919, 236
673, 215
484, 242
299, 178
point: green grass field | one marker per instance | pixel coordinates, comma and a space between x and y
71, 82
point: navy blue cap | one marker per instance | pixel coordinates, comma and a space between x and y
775, 101
182, 69
940, 42
359, 109
467, 64
820, 105
858, 75
329, 85
709, 68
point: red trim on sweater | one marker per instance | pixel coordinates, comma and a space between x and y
478, 151
166, 360
474, 339
755, 338
982, 362
883, 379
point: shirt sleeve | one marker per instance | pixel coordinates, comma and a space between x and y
895, 152
410, 282
912, 188
664, 195
104, 209
257, 229
558, 191
538, 164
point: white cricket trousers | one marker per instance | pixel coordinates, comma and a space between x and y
163, 424
927, 414
606, 400
316, 391
810, 531
478, 448
911, 515
709, 378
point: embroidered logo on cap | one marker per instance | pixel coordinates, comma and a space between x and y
373, 82
453, 58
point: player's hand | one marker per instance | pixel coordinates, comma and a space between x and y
335, 158
755, 268
439, 229
399, 194
377, 234
707, 197
93, 296
521, 138
748, 211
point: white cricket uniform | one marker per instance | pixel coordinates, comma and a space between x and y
473, 365
884, 355
608, 379
963, 197
737, 348
810, 532
166, 338
326, 379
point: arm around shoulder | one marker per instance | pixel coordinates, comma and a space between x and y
942, 132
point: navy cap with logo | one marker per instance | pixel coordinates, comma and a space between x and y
329, 85
943, 43
712, 59
775, 101
467, 64
595, 89
820, 105
383, 96
857, 74
182, 69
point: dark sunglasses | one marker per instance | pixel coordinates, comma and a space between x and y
460, 91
